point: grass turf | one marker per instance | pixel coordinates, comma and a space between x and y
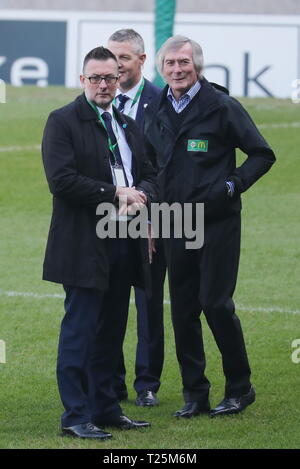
267, 295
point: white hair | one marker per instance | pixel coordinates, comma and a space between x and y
175, 43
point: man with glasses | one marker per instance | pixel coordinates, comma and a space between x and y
93, 154
133, 96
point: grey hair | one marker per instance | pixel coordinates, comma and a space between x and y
129, 35
175, 43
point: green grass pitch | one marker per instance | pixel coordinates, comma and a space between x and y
267, 298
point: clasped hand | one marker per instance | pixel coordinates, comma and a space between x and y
130, 200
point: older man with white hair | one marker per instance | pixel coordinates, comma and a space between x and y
193, 130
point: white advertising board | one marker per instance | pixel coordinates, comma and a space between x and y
253, 55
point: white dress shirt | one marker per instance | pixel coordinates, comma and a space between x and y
125, 151
128, 110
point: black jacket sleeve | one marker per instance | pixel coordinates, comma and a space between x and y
148, 183
246, 136
61, 169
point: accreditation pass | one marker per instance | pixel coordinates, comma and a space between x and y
119, 175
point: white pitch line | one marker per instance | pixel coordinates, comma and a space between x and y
253, 309
271, 309
258, 309
282, 125
31, 294
20, 148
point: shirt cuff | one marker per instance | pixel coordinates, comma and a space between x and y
230, 188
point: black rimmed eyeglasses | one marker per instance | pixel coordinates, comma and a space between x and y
97, 79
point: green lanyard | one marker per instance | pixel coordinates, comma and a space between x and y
111, 145
136, 98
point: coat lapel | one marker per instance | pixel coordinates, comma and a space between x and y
145, 99
143, 102
86, 113
206, 103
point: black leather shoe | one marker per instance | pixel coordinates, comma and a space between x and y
86, 430
125, 423
192, 409
234, 405
146, 399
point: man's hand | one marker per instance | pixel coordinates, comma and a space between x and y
130, 200
129, 195
151, 243
131, 209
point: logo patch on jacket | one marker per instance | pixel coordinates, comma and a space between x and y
197, 145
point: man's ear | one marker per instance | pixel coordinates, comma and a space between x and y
81, 78
142, 58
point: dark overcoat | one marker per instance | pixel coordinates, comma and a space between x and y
76, 160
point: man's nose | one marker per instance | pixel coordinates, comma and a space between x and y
177, 67
102, 85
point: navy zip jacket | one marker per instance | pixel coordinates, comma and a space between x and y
195, 162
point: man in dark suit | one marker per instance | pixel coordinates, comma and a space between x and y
92, 155
193, 129
132, 98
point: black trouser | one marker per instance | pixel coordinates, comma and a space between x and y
204, 280
150, 331
91, 339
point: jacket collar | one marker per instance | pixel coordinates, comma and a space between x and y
120, 117
85, 111
207, 102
